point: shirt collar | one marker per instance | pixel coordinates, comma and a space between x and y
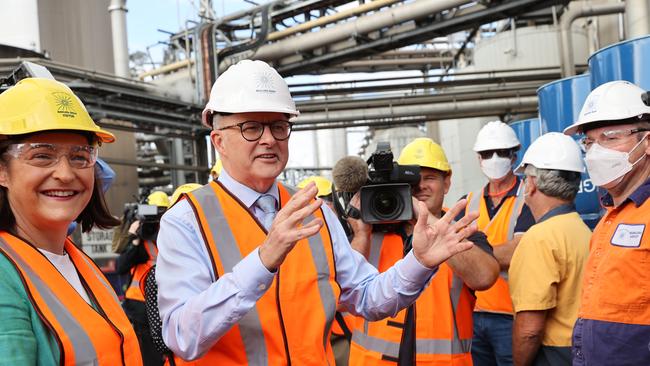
639, 196
511, 193
559, 210
245, 194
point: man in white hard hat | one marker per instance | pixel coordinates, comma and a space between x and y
503, 217
613, 325
546, 269
250, 272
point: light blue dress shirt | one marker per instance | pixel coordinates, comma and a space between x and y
197, 309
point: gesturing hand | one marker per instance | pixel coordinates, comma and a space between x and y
435, 242
288, 228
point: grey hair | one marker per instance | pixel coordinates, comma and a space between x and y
560, 184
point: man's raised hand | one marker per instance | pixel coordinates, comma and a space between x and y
435, 242
288, 228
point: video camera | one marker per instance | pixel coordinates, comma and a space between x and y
149, 216
386, 199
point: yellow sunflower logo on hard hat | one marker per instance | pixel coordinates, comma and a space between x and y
64, 104
264, 82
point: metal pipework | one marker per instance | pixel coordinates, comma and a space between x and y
362, 25
580, 11
637, 18
373, 5
117, 9
485, 105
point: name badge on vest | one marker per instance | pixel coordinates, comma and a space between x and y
628, 235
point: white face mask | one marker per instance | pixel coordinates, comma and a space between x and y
496, 167
607, 166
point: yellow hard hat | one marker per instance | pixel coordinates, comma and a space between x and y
323, 184
36, 104
158, 198
216, 168
187, 187
426, 153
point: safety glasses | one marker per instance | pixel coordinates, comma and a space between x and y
45, 155
609, 139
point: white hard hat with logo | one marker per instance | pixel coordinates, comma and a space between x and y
553, 151
496, 135
249, 86
613, 101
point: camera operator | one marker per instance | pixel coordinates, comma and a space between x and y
443, 313
136, 259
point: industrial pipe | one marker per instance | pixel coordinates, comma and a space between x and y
361, 25
637, 18
487, 105
117, 9
581, 11
373, 5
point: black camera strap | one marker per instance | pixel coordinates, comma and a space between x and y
406, 355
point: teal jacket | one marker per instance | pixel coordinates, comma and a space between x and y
24, 339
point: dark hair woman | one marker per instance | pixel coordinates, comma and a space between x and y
56, 306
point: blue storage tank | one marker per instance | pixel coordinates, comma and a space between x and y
527, 131
626, 60
560, 103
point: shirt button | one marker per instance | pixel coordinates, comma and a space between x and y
261, 287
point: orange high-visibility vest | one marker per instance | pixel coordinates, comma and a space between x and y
140, 270
85, 335
616, 280
291, 323
499, 229
443, 317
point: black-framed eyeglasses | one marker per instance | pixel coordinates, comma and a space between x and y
503, 153
253, 130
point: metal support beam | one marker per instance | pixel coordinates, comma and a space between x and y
580, 10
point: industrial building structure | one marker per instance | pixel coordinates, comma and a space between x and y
386, 69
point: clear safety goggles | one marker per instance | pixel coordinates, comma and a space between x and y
609, 139
44, 155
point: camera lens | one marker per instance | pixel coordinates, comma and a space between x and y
386, 204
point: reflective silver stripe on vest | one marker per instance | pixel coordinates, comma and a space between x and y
516, 210
474, 205
250, 325
90, 264
317, 249
422, 346
84, 351
474, 201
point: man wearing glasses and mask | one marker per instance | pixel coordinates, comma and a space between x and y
503, 217
613, 325
250, 271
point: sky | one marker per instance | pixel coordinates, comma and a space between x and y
145, 21
147, 26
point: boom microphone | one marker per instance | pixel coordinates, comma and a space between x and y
350, 174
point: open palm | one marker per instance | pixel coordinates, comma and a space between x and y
436, 240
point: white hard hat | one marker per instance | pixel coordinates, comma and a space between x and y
495, 135
249, 86
553, 151
612, 101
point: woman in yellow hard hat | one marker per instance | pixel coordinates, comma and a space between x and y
56, 306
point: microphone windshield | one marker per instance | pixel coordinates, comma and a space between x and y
350, 174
